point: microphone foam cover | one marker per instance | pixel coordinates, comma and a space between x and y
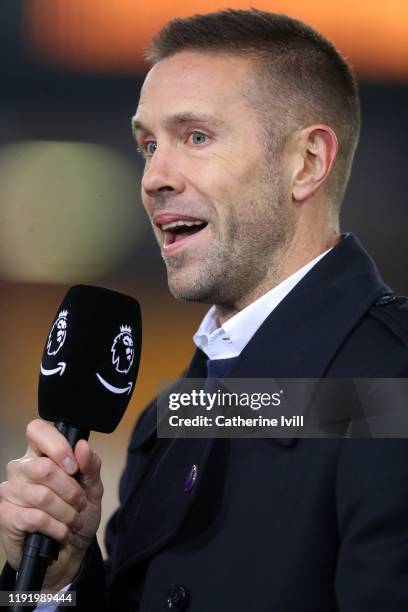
91, 359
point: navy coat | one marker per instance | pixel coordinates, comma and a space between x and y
272, 525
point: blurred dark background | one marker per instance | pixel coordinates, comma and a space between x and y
70, 211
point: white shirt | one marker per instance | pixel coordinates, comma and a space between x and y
232, 337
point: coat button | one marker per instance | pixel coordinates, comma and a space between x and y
177, 597
191, 478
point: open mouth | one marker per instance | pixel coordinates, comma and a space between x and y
180, 230
177, 229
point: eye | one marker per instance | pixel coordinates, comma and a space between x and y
150, 147
198, 138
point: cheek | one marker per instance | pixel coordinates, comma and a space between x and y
147, 202
221, 177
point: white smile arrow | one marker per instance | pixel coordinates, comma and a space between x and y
59, 370
110, 387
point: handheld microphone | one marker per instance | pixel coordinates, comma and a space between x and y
87, 376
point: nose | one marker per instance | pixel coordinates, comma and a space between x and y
161, 175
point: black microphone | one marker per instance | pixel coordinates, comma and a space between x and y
87, 376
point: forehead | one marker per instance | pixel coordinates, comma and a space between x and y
212, 83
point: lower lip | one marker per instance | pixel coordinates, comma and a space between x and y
180, 244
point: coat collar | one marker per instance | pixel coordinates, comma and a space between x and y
301, 336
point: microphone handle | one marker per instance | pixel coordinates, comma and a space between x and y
40, 550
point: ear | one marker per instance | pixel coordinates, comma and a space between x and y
317, 147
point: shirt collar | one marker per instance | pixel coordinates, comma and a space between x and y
231, 338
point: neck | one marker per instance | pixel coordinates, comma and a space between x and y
299, 252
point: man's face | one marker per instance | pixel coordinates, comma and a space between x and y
211, 188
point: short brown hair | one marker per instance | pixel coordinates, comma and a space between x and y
303, 76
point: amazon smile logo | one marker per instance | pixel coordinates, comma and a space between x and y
60, 369
114, 389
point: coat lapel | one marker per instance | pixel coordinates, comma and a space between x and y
157, 510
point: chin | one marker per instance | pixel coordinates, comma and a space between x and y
186, 294
189, 291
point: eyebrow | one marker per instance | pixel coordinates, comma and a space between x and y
179, 119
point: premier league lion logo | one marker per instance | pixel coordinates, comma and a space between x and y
58, 333
122, 350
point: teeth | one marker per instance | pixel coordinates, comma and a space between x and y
168, 226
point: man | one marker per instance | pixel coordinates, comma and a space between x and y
248, 123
